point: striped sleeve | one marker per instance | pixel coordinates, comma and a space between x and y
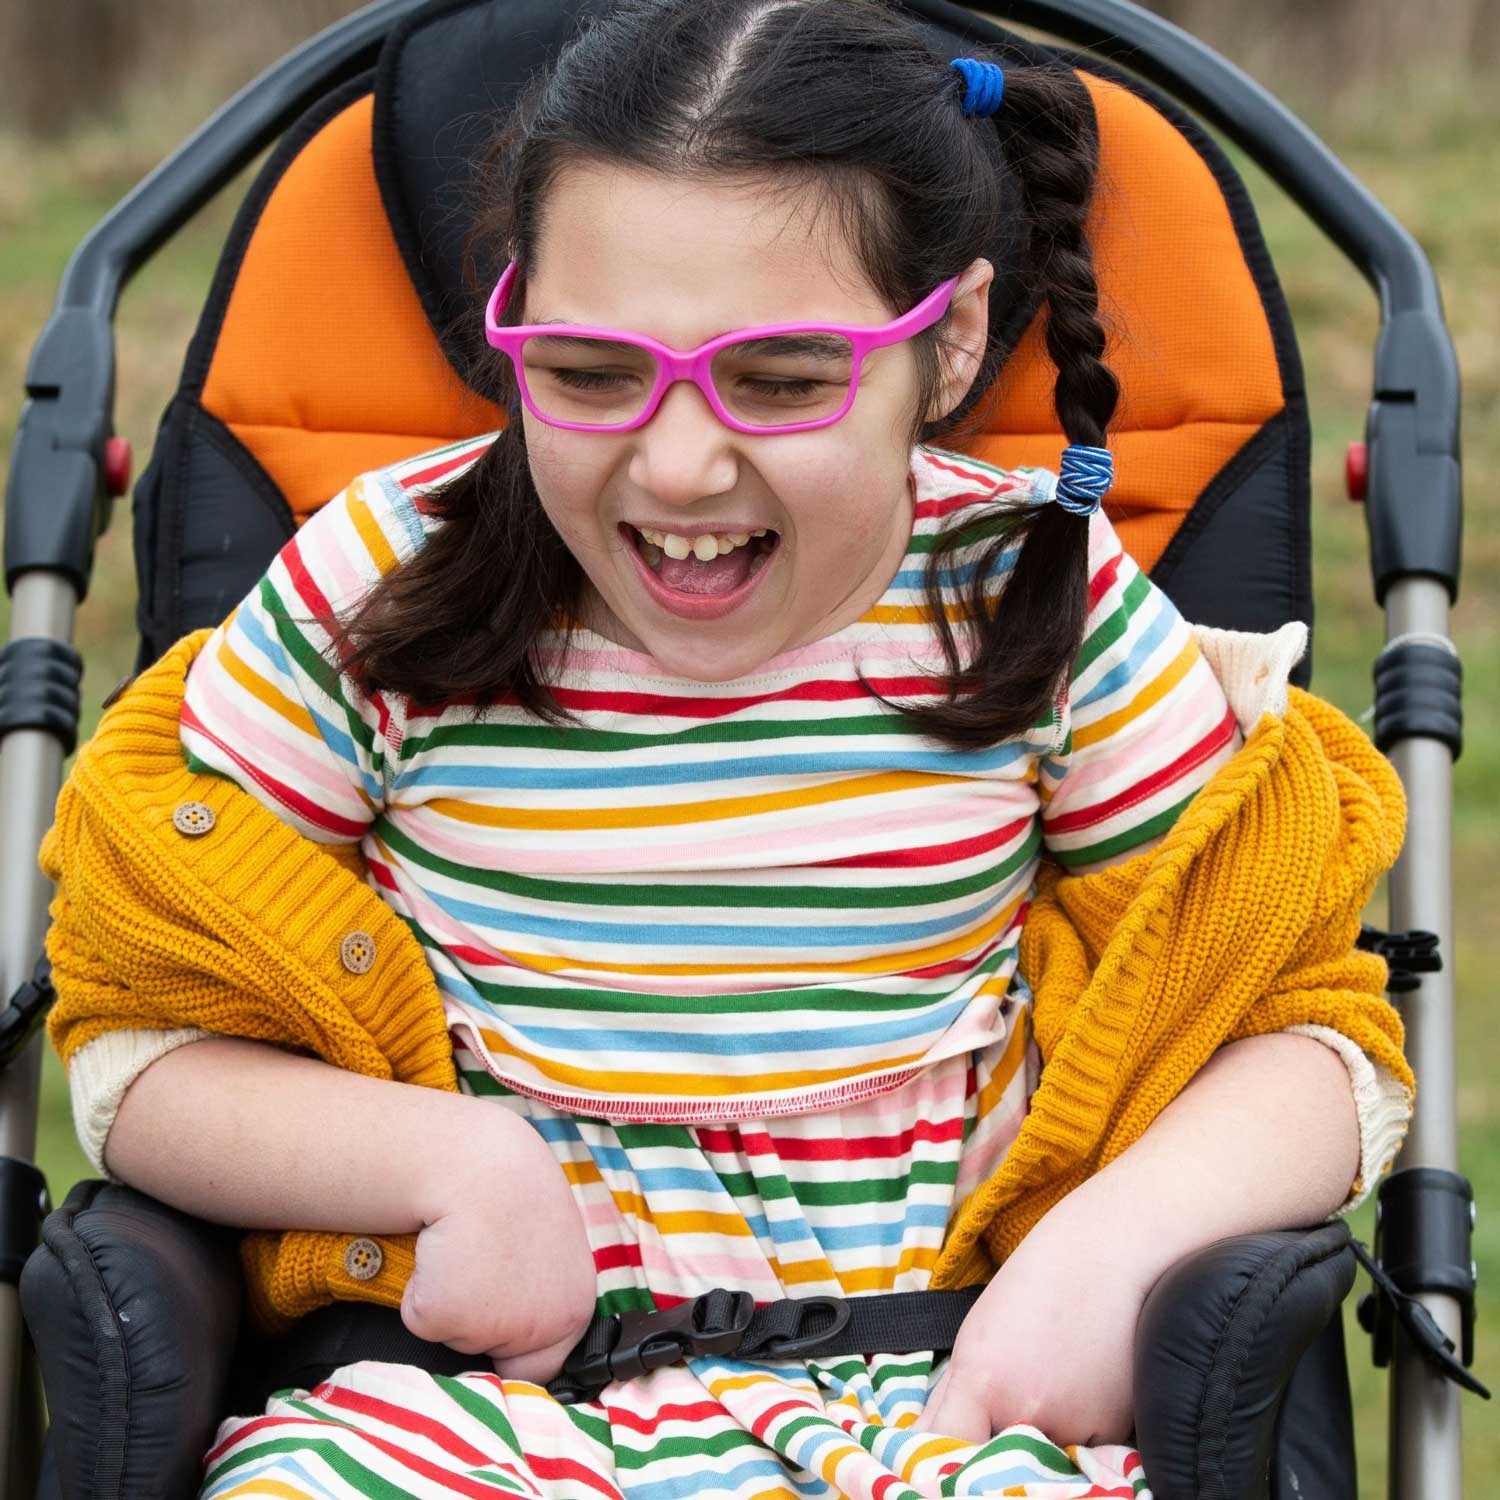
265, 707
1146, 723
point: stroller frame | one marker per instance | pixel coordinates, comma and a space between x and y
59, 502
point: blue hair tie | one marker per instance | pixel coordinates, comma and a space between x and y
984, 85
1084, 478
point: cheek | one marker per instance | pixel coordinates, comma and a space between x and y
569, 477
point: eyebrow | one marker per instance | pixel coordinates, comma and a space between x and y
829, 345
576, 341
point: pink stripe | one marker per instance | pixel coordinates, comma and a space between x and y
285, 754
440, 835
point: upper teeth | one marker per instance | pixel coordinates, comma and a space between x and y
704, 547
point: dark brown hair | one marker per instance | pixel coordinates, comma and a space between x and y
846, 96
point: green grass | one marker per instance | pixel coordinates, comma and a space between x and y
1429, 155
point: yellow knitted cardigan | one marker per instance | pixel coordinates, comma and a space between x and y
1242, 921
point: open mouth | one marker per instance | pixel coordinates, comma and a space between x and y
708, 566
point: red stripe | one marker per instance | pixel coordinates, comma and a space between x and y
403, 1417
712, 708
977, 476
320, 817
926, 509
565, 1468
1085, 816
446, 466
694, 1411
452, 1483
929, 854
841, 1148
612, 1257
1104, 580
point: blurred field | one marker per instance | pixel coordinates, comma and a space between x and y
1425, 143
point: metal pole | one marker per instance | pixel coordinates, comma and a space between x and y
1426, 1438
42, 604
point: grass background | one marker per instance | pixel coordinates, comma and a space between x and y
1423, 138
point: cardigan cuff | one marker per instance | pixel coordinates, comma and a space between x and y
1381, 1101
100, 1072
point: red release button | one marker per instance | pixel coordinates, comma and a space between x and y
117, 462
1356, 470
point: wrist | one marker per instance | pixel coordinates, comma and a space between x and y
483, 1155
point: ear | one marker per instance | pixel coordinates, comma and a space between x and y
963, 340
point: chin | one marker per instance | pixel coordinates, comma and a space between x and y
691, 659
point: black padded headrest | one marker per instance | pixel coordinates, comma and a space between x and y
447, 78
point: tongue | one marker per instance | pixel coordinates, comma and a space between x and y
720, 575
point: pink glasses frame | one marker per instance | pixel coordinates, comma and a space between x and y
695, 364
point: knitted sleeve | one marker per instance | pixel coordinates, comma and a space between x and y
267, 704
1145, 725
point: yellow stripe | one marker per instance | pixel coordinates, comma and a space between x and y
1000, 1080
882, 964
832, 1461
268, 1487
933, 1448
257, 686
883, 784
370, 533
910, 614
594, 1081
1153, 692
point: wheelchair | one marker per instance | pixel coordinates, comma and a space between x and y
133, 1310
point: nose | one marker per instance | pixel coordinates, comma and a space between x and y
684, 453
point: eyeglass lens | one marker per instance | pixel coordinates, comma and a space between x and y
763, 382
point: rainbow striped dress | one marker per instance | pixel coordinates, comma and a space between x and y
744, 954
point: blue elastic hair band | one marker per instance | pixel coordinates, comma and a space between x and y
1084, 478
984, 85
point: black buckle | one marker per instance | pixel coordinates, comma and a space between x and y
1406, 953
26, 1011
635, 1342
799, 1326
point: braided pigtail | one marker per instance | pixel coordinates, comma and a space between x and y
1025, 644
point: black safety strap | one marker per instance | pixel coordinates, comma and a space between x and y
720, 1322
620, 1345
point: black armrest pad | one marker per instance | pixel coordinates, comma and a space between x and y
1218, 1340
134, 1309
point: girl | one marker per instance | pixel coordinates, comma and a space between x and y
708, 732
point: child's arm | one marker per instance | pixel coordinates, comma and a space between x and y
1263, 1137
245, 1134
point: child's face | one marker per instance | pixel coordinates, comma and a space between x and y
683, 261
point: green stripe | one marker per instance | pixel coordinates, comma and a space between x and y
1109, 630
607, 1002
350, 1470
1140, 833
486, 1413
734, 731
1039, 1449
327, 677
665, 1449
691, 894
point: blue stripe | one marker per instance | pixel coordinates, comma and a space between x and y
743, 1044
861, 1236
811, 763
1150, 638
660, 935
251, 626
404, 508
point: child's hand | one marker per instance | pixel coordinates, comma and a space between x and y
507, 1271
1050, 1343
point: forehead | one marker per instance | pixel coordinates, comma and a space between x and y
684, 259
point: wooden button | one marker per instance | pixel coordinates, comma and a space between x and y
363, 1259
357, 952
193, 818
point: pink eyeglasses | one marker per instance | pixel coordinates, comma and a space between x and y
784, 377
